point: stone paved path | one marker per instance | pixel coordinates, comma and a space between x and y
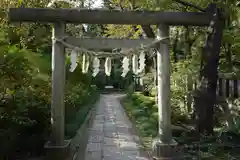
111, 136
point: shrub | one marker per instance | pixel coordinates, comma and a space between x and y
25, 100
78, 104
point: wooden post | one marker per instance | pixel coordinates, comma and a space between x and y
163, 86
235, 88
58, 82
57, 147
227, 91
164, 146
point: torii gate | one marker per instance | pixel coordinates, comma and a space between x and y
164, 145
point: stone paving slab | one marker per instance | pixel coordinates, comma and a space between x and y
94, 147
93, 156
95, 139
111, 136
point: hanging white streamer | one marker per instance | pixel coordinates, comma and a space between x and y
125, 66
141, 81
135, 64
96, 65
108, 66
123, 53
85, 63
141, 62
73, 59
53, 61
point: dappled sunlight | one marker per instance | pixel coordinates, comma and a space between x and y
165, 56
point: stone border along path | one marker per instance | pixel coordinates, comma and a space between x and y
111, 136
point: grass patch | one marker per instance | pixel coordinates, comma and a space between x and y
142, 111
140, 123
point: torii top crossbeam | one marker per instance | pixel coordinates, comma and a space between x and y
108, 17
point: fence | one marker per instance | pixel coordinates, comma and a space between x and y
228, 88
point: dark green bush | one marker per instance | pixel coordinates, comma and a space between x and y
78, 108
26, 119
25, 102
144, 111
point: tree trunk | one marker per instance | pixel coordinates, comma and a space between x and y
205, 94
187, 43
175, 43
228, 46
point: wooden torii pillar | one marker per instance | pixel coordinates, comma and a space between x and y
163, 145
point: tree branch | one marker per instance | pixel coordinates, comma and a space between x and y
148, 31
190, 5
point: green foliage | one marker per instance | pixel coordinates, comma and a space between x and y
25, 97
186, 71
78, 107
115, 79
25, 73
77, 120
77, 97
25, 106
143, 111
100, 80
25, 101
